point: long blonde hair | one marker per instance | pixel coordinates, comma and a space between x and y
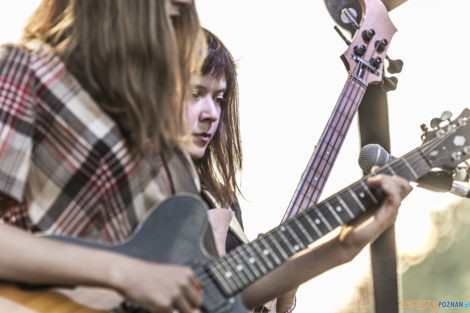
132, 59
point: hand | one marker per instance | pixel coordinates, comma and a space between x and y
160, 288
366, 228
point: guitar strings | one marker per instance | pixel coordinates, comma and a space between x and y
322, 181
413, 157
354, 87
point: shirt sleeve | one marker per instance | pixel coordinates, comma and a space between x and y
16, 120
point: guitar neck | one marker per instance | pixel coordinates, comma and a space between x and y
326, 151
247, 263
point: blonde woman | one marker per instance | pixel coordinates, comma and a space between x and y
90, 112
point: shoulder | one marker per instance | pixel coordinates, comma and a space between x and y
37, 60
14, 59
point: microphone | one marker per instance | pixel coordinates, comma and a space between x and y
438, 181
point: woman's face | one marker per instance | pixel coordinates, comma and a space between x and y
173, 7
204, 109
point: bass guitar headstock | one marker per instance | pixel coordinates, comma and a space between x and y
448, 143
366, 53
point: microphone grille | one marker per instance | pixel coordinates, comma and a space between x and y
372, 154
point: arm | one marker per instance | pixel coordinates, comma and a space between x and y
39, 260
341, 249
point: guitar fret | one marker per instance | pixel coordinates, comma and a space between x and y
281, 234
325, 221
220, 274
264, 253
294, 208
332, 210
312, 181
312, 223
303, 230
238, 270
241, 268
254, 260
361, 205
340, 123
314, 177
358, 81
250, 261
307, 193
344, 205
299, 243
391, 170
410, 168
229, 273
270, 249
367, 189
278, 245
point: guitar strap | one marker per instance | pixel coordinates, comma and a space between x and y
183, 175
235, 227
184, 179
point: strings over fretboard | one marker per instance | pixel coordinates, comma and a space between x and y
321, 162
247, 263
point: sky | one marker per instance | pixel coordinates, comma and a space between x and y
290, 78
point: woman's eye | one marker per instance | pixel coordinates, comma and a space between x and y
195, 95
221, 100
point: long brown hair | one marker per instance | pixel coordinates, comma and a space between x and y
130, 57
218, 167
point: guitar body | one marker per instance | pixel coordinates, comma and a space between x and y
175, 232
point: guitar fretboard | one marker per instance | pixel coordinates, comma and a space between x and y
321, 162
247, 263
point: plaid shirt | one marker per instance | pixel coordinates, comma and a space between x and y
64, 159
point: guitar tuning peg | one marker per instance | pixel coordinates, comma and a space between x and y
446, 116
424, 128
435, 122
389, 83
461, 174
349, 16
394, 66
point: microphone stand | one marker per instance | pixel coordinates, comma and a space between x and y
374, 128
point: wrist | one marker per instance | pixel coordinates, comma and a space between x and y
348, 249
115, 277
292, 307
286, 302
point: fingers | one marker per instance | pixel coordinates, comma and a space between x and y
189, 299
374, 168
395, 187
363, 230
183, 306
164, 288
193, 294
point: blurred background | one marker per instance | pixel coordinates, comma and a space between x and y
290, 77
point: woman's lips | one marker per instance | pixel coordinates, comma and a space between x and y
203, 137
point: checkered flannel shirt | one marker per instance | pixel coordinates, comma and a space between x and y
63, 159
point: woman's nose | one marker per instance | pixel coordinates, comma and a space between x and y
209, 111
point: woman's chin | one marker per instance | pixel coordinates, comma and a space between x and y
196, 152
